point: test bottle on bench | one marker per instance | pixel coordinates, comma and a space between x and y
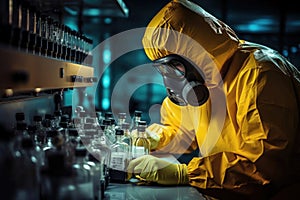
141, 145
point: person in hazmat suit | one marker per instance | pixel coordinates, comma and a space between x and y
236, 101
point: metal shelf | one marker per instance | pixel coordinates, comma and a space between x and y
21, 72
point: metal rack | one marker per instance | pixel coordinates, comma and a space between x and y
22, 72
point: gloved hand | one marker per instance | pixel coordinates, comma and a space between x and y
153, 138
153, 132
148, 168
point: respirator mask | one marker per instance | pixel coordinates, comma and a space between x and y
183, 80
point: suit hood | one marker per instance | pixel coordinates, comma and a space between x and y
184, 28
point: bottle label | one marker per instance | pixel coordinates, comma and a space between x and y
138, 151
118, 160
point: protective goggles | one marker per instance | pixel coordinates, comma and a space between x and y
178, 67
170, 66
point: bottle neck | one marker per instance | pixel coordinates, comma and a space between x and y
121, 121
119, 138
141, 132
127, 132
136, 120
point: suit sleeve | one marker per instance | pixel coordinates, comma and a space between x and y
267, 125
176, 130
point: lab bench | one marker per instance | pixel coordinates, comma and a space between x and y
136, 191
131, 191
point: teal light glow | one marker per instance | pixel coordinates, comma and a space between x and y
71, 23
107, 20
264, 21
294, 49
106, 56
294, 23
67, 100
93, 12
285, 53
106, 81
105, 103
71, 11
253, 28
257, 25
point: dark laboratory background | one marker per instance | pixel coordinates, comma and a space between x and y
273, 23
98, 64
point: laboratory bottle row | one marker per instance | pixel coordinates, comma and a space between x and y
57, 153
25, 28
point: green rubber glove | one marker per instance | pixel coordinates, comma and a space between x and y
152, 169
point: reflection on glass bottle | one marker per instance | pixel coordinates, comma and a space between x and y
98, 176
121, 120
100, 149
135, 120
109, 132
141, 145
26, 171
127, 137
40, 131
119, 158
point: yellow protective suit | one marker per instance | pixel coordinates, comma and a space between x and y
247, 132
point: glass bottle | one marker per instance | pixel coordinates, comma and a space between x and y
83, 176
63, 179
135, 120
121, 119
108, 131
54, 141
99, 117
98, 177
40, 132
20, 118
127, 137
141, 145
57, 117
7, 184
68, 147
20, 132
26, 168
119, 158
102, 152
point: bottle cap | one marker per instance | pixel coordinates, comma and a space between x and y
73, 132
108, 115
119, 132
125, 125
20, 116
137, 113
122, 115
65, 118
106, 122
142, 123
112, 120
